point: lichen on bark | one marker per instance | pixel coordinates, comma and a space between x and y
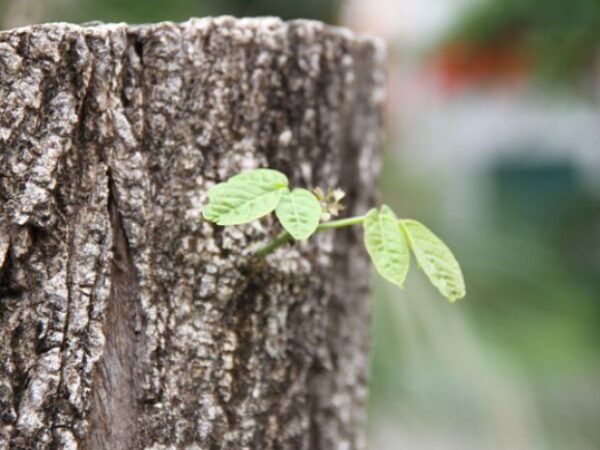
126, 320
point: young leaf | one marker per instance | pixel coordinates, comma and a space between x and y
436, 259
245, 197
386, 245
261, 176
299, 212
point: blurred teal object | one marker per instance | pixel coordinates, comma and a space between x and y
534, 194
548, 201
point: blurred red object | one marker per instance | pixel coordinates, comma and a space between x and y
461, 65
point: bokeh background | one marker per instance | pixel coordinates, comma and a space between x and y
494, 141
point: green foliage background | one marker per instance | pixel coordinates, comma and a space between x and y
136, 11
561, 37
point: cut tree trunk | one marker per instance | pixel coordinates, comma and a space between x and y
126, 320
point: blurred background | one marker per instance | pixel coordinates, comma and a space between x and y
494, 141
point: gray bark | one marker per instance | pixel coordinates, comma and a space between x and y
126, 320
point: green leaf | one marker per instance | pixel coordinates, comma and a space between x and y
386, 245
299, 212
245, 197
436, 259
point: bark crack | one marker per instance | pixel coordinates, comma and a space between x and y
113, 415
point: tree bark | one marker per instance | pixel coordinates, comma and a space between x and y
126, 320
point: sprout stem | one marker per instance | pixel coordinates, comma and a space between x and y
341, 223
284, 237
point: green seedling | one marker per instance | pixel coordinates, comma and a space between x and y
389, 241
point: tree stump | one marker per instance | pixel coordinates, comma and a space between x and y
126, 320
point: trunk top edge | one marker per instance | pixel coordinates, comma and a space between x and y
263, 23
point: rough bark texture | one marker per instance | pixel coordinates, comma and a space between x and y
126, 320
